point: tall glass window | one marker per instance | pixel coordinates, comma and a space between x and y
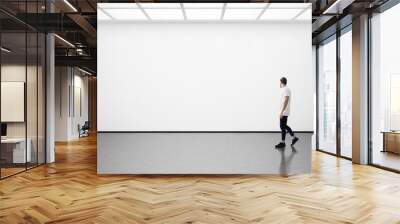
14, 153
327, 96
385, 89
22, 88
346, 93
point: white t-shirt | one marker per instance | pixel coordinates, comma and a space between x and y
286, 92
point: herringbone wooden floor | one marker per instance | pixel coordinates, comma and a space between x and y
70, 191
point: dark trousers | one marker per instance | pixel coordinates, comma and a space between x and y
285, 127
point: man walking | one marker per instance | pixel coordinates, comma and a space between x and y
284, 114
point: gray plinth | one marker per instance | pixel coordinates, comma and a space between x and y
201, 153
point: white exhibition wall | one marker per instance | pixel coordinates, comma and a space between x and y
203, 76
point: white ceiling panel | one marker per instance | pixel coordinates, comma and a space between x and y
280, 14
203, 14
246, 5
160, 5
126, 14
102, 16
305, 15
205, 11
203, 5
242, 14
117, 5
164, 14
289, 5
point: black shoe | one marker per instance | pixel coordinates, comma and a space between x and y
294, 140
280, 145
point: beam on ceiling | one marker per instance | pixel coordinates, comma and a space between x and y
49, 22
317, 25
338, 6
82, 61
332, 29
84, 24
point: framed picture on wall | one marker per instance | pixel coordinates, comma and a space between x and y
12, 101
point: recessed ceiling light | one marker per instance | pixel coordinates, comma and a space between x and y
64, 40
305, 15
70, 5
241, 14
203, 5
280, 14
117, 5
203, 14
5, 50
203, 11
246, 5
102, 16
289, 5
160, 5
84, 71
126, 14
164, 14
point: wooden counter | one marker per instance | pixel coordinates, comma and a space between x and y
391, 142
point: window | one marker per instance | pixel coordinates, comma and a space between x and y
22, 78
327, 96
385, 89
346, 93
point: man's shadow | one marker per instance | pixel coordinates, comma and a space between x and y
284, 167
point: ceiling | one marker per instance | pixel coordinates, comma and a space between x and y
222, 12
75, 21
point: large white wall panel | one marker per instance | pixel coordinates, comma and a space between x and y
203, 76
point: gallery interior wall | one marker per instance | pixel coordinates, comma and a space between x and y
202, 76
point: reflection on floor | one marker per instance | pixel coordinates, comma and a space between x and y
70, 191
346, 152
11, 169
387, 159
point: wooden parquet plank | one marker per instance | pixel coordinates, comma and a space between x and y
70, 191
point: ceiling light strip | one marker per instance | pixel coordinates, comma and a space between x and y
223, 11
84, 71
143, 11
107, 14
183, 11
262, 12
291, 7
300, 13
64, 40
70, 5
118, 7
5, 50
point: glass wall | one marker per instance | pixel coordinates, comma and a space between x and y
22, 88
335, 94
346, 93
327, 95
13, 86
385, 89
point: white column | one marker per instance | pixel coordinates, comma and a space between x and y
50, 99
